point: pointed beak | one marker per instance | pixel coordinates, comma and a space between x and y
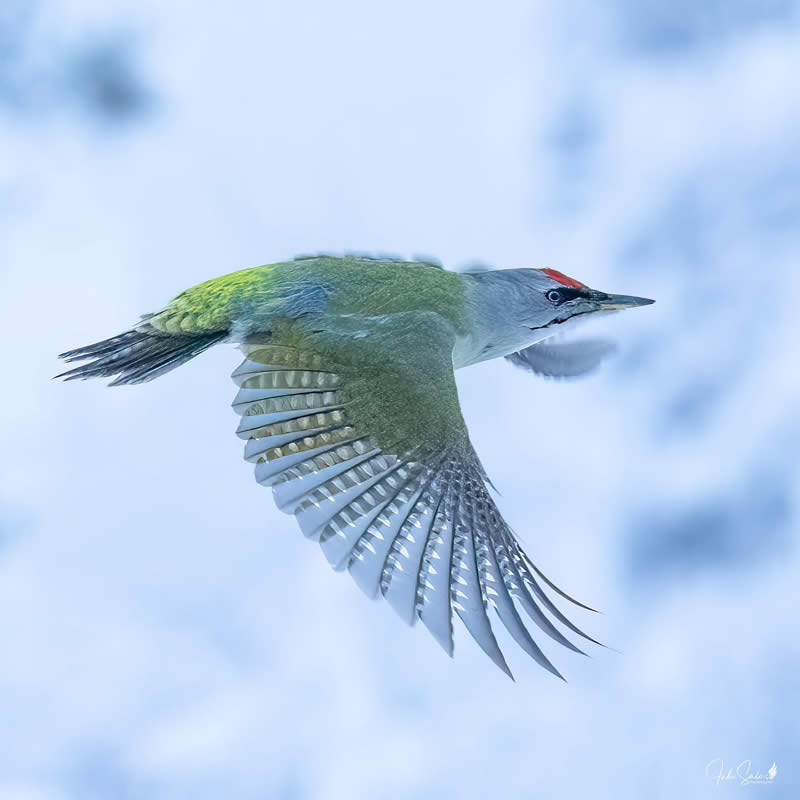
617, 302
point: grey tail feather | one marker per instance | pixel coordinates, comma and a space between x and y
137, 356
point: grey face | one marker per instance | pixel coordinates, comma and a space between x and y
567, 302
515, 308
551, 301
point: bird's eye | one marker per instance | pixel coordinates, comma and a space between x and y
554, 296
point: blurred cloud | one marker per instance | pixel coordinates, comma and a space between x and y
751, 522
673, 28
104, 79
97, 74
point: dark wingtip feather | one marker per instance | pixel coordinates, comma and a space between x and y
559, 591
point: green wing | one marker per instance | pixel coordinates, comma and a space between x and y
355, 424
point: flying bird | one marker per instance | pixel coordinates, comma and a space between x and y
349, 411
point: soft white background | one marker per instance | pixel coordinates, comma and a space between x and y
164, 631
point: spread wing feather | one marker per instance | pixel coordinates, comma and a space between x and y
371, 455
557, 359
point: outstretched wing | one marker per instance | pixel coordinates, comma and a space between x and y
563, 359
356, 426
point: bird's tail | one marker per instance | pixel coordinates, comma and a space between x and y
137, 355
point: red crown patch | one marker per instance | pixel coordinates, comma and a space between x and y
563, 279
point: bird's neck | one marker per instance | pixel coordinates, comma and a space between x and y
494, 304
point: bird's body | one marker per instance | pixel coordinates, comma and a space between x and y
249, 300
350, 412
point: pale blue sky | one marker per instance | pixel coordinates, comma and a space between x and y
167, 632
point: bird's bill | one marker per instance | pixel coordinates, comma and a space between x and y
617, 302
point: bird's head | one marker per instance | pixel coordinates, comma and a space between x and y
519, 307
545, 299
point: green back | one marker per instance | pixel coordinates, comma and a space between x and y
336, 286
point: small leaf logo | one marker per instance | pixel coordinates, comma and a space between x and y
773, 771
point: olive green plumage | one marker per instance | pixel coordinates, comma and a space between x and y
350, 285
395, 374
387, 327
214, 305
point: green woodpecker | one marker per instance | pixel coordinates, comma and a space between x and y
350, 413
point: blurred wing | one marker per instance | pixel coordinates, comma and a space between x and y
563, 359
356, 426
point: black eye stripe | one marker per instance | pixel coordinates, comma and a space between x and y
564, 294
